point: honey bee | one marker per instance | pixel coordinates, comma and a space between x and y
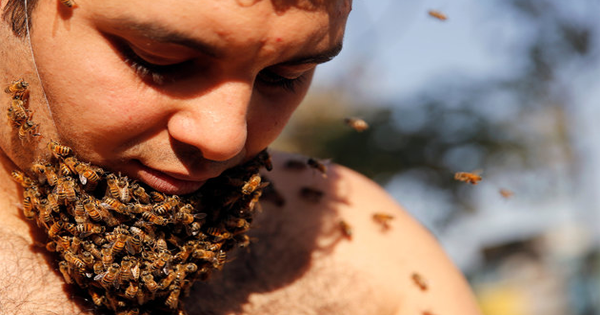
251, 185
154, 219
74, 260
87, 258
134, 244
51, 246
21, 178
265, 159
163, 258
98, 299
55, 228
17, 87
157, 197
68, 3
17, 114
51, 175
87, 175
114, 204
107, 257
75, 244
123, 187
173, 298
63, 243
149, 282
167, 206
28, 129
437, 14
92, 210
64, 270
132, 290
92, 249
119, 245
506, 193
357, 124
470, 178
311, 194
140, 193
59, 150
28, 209
317, 165
65, 189
108, 278
383, 219
419, 281
219, 234
346, 229
69, 166
146, 238
53, 203
86, 229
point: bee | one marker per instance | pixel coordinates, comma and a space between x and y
28, 209
311, 194
59, 150
17, 114
108, 278
437, 14
50, 175
251, 185
219, 234
69, 166
140, 193
107, 257
119, 245
194, 228
28, 128
154, 219
123, 188
86, 229
146, 238
51, 246
53, 203
64, 269
346, 229
356, 124
68, 3
92, 210
506, 193
74, 260
132, 290
114, 204
87, 175
167, 206
87, 258
98, 299
22, 179
265, 158
149, 282
419, 281
134, 244
125, 275
163, 258
157, 197
92, 249
173, 298
17, 87
65, 189
470, 178
383, 219
317, 165
55, 228
38, 168
75, 244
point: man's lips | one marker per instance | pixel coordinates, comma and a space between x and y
166, 183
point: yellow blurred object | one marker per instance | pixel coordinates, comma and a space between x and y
502, 300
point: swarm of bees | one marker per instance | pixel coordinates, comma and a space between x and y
131, 248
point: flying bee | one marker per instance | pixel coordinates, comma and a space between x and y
134, 244
59, 150
356, 124
317, 165
55, 228
506, 193
108, 278
173, 298
265, 159
28, 129
383, 219
252, 184
64, 270
17, 87
346, 229
437, 14
419, 281
68, 3
471, 178
86, 229
21, 178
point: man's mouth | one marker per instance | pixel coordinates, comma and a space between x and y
166, 183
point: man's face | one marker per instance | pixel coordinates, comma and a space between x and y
175, 92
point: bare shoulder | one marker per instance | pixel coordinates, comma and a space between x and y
318, 250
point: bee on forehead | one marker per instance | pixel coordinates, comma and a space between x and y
420, 281
356, 124
317, 165
383, 219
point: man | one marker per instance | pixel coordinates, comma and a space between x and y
173, 94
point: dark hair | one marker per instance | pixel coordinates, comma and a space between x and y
14, 14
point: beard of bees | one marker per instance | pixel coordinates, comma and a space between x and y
132, 249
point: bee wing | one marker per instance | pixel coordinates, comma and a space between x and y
83, 179
100, 275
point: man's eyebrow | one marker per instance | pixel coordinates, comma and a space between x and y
159, 33
163, 34
318, 58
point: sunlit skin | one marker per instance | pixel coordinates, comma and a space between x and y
232, 73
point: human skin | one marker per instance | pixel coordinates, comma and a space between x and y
213, 109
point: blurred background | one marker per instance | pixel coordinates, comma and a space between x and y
506, 88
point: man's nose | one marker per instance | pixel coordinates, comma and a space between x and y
214, 122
